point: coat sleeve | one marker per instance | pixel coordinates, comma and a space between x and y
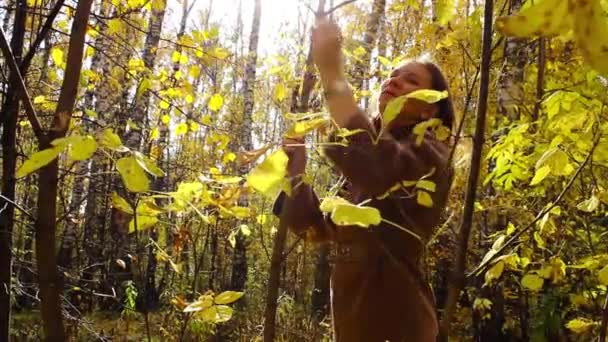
375, 165
302, 213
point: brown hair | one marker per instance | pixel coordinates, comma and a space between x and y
446, 107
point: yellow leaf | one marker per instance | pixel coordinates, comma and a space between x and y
331, 202
194, 126
111, 140
194, 71
602, 275
494, 272
38, 160
428, 95
39, 99
82, 147
426, 185
445, 11
154, 133
203, 302
143, 222
280, 92
121, 204
165, 119
217, 314
299, 129
544, 17
424, 199
175, 56
591, 31
133, 175
216, 102
181, 129
393, 108
228, 297
115, 26
164, 104
149, 165
589, 205
352, 215
269, 177
580, 325
540, 174
57, 56
532, 282
189, 98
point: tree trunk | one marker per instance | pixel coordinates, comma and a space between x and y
510, 83
239, 258
140, 106
9, 162
362, 65
51, 283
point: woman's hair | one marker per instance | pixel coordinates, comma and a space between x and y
446, 108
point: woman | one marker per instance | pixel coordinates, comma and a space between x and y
378, 291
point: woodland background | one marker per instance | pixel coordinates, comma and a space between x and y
137, 224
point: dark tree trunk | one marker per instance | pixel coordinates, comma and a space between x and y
50, 281
320, 291
9, 162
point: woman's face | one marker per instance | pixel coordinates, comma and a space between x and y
404, 80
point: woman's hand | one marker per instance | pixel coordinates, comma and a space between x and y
326, 45
295, 150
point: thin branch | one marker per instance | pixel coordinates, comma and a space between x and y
25, 97
466, 222
46, 28
22, 209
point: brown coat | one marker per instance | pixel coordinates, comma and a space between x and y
377, 288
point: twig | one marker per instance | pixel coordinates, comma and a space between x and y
25, 97
331, 10
46, 28
23, 210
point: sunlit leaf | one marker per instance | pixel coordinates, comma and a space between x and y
428, 95
216, 102
82, 147
580, 325
352, 215
445, 11
540, 174
544, 17
133, 175
494, 272
111, 140
424, 199
532, 282
280, 92
330, 203
300, 129
181, 129
589, 205
38, 160
143, 223
121, 204
57, 56
203, 302
393, 108
149, 165
228, 297
268, 178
